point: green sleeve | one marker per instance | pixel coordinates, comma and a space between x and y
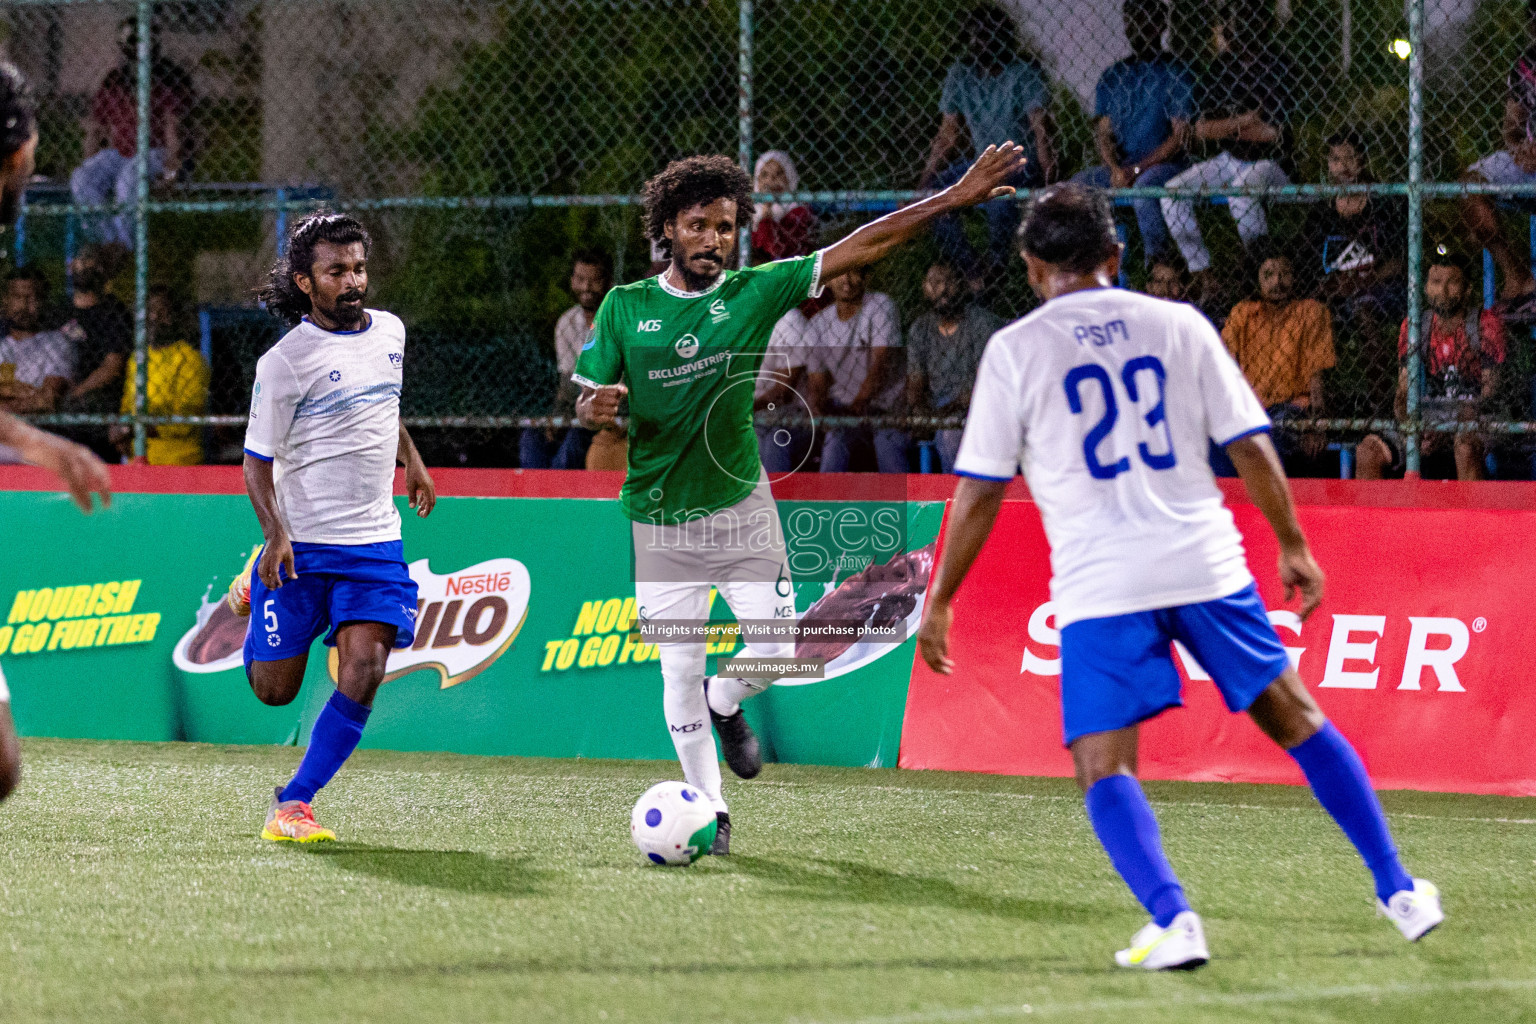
784, 284
601, 360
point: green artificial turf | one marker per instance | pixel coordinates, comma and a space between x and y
133, 887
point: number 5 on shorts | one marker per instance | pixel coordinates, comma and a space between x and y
269, 615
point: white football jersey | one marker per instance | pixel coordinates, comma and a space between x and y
325, 411
1108, 399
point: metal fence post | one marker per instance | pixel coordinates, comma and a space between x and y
141, 233
744, 113
1415, 225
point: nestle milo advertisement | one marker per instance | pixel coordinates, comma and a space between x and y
115, 627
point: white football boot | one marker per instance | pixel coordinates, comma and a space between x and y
1415, 911
1179, 947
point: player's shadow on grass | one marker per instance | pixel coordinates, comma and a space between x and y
852, 882
458, 870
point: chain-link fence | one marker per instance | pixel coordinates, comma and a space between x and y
1342, 187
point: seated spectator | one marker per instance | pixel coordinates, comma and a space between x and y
111, 134
944, 347
1283, 345
100, 326
545, 447
854, 364
1166, 276
176, 385
1461, 347
780, 230
1141, 110
1515, 164
996, 96
783, 446
1356, 244
36, 366
1244, 101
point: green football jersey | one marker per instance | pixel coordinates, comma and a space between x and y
691, 360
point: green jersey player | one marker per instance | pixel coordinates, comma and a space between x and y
686, 347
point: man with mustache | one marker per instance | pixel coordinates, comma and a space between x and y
686, 347
75, 464
320, 452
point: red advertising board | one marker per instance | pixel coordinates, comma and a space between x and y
1421, 653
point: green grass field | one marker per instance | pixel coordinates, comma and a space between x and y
133, 888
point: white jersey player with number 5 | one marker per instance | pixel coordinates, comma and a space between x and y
1109, 401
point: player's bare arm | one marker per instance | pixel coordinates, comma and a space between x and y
1263, 476
970, 522
870, 243
82, 472
276, 549
599, 407
420, 491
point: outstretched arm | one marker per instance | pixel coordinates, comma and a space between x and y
82, 472
419, 488
975, 510
1263, 476
985, 180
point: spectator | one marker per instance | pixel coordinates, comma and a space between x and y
1141, 110
997, 96
1244, 101
1356, 243
100, 327
944, 347
1461, 348
1166, 276
1283, 345
111, 133
1515, 164
854, 365
783, 446
780, 230
176, 385
591, 278
36, 366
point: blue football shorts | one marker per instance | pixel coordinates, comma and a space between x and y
336, 584
1118, 670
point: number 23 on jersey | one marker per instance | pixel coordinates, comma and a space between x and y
1138, 378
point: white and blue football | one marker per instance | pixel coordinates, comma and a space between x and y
673, 824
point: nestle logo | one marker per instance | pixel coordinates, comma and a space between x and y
486, 583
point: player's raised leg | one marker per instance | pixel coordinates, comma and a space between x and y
1289, 715
751, 571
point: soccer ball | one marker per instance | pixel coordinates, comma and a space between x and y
673, 823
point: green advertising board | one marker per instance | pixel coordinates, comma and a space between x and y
115, 629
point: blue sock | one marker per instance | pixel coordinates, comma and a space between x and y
1123, 820
1339, 781
331, 742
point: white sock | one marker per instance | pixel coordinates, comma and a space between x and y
687, 714
726, 695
